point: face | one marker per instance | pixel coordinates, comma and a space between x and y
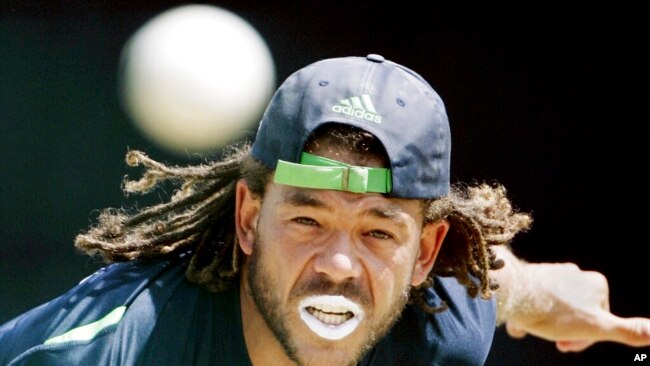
330, 272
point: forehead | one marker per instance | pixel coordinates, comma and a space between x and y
376, 204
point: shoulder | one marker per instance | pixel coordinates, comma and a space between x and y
460, 335
92, 308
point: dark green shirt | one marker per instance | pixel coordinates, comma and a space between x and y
147, 313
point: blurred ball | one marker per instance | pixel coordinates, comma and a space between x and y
196, 77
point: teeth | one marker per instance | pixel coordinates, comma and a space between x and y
327, 308
330, 317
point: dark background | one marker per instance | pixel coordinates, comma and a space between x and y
547, 101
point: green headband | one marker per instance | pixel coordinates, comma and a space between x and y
321, 173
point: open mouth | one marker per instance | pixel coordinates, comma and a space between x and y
330, 317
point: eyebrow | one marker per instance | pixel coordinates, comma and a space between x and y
389, 213
301, 198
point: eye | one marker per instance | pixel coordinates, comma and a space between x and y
305, 221
378, 234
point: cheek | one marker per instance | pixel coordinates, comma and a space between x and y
284, 258
391, 274
286, 249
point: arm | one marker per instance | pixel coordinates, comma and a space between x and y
561, 303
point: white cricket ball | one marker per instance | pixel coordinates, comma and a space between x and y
196, 77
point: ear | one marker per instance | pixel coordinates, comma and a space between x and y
431, 240
247, 208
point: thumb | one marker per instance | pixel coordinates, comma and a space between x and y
573, 346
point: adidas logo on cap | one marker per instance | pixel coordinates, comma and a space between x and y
359, 107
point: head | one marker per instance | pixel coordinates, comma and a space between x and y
338, 237
340, 210
330, 271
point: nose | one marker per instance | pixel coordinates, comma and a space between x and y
338, 260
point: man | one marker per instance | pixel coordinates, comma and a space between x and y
336, 239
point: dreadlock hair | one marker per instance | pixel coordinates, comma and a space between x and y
479, 216
199, 218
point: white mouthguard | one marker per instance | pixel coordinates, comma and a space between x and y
330, 317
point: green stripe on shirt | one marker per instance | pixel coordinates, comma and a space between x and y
89, 331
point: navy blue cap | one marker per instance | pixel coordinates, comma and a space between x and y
390, 101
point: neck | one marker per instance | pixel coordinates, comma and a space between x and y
262, 345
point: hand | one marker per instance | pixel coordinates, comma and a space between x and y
569, 306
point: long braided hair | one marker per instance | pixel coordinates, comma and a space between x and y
199, 218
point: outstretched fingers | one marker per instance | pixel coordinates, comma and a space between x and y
633, 331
